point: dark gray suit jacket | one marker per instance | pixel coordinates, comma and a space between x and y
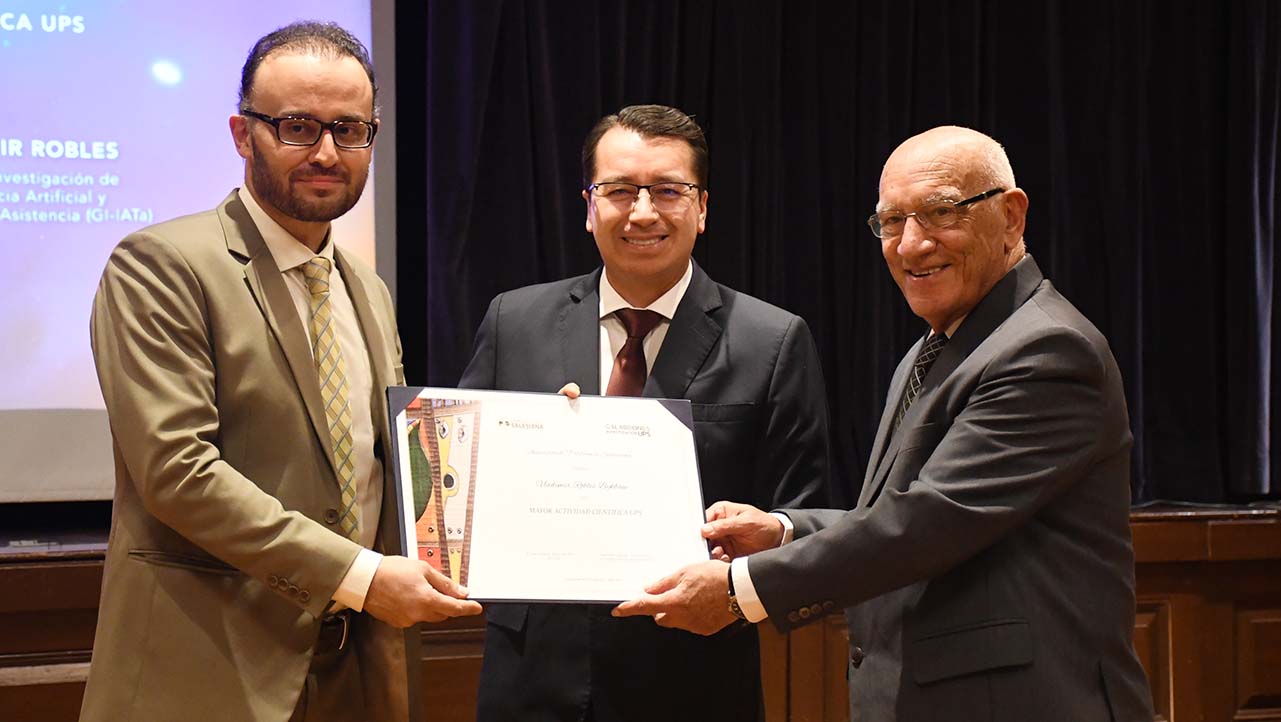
987, 570
760, 426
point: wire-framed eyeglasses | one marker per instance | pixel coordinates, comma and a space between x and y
943, 214
665, 196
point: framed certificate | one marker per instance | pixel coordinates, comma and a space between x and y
537, 498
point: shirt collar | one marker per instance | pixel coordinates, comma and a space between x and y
288, 251
951, 330
665, 305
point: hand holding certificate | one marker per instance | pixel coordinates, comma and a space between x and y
534, 497
693, 599
697, 598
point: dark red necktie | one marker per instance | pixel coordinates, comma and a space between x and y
630, 371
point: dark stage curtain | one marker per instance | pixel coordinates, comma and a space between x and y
1144, 132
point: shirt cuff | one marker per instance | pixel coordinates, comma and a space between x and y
745, 591
352, 589
789, 529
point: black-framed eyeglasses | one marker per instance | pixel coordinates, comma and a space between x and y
665, 196
944, 214
299, 130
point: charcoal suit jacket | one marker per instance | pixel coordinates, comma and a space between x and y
987, 571
760, 426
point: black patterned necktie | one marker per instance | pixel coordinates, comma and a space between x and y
924, 360
630, 371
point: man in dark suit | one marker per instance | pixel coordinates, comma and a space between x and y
987, 571
760, 423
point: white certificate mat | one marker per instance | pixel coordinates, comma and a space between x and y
533, 497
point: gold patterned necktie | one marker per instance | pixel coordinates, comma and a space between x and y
333, 386
630, 372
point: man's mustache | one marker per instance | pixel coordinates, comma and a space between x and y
309, 174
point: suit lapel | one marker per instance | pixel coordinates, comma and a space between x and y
380, 355
579, 331
882, 457
263, 278
690, 337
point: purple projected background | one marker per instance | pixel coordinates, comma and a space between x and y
144, 89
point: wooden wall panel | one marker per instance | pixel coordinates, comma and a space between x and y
836, 682
1258, 664
1208, 630
449, 689
451, 658
774, 682
807, 663
1152, 643
41, 703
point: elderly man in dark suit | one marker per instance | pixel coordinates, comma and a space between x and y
651, 323
987, 571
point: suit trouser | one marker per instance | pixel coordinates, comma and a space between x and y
333, 691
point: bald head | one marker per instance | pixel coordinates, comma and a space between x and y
970, 155
952, 221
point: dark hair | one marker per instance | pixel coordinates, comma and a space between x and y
651, 121
305, 37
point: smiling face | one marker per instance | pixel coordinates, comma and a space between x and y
945, 272
645, 251
304, 187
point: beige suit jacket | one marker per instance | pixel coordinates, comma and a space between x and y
223, 552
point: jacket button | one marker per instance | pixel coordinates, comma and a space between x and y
293, 589
273, 581
793, 617
305, 596
815, 610
828, 606
331, 516
856, 657
804, 612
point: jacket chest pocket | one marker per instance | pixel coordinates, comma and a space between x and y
744, 412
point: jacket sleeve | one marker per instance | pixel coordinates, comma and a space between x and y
1034, 424
481, 369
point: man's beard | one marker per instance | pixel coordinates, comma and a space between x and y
279, 193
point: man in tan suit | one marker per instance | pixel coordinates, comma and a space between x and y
243, 359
